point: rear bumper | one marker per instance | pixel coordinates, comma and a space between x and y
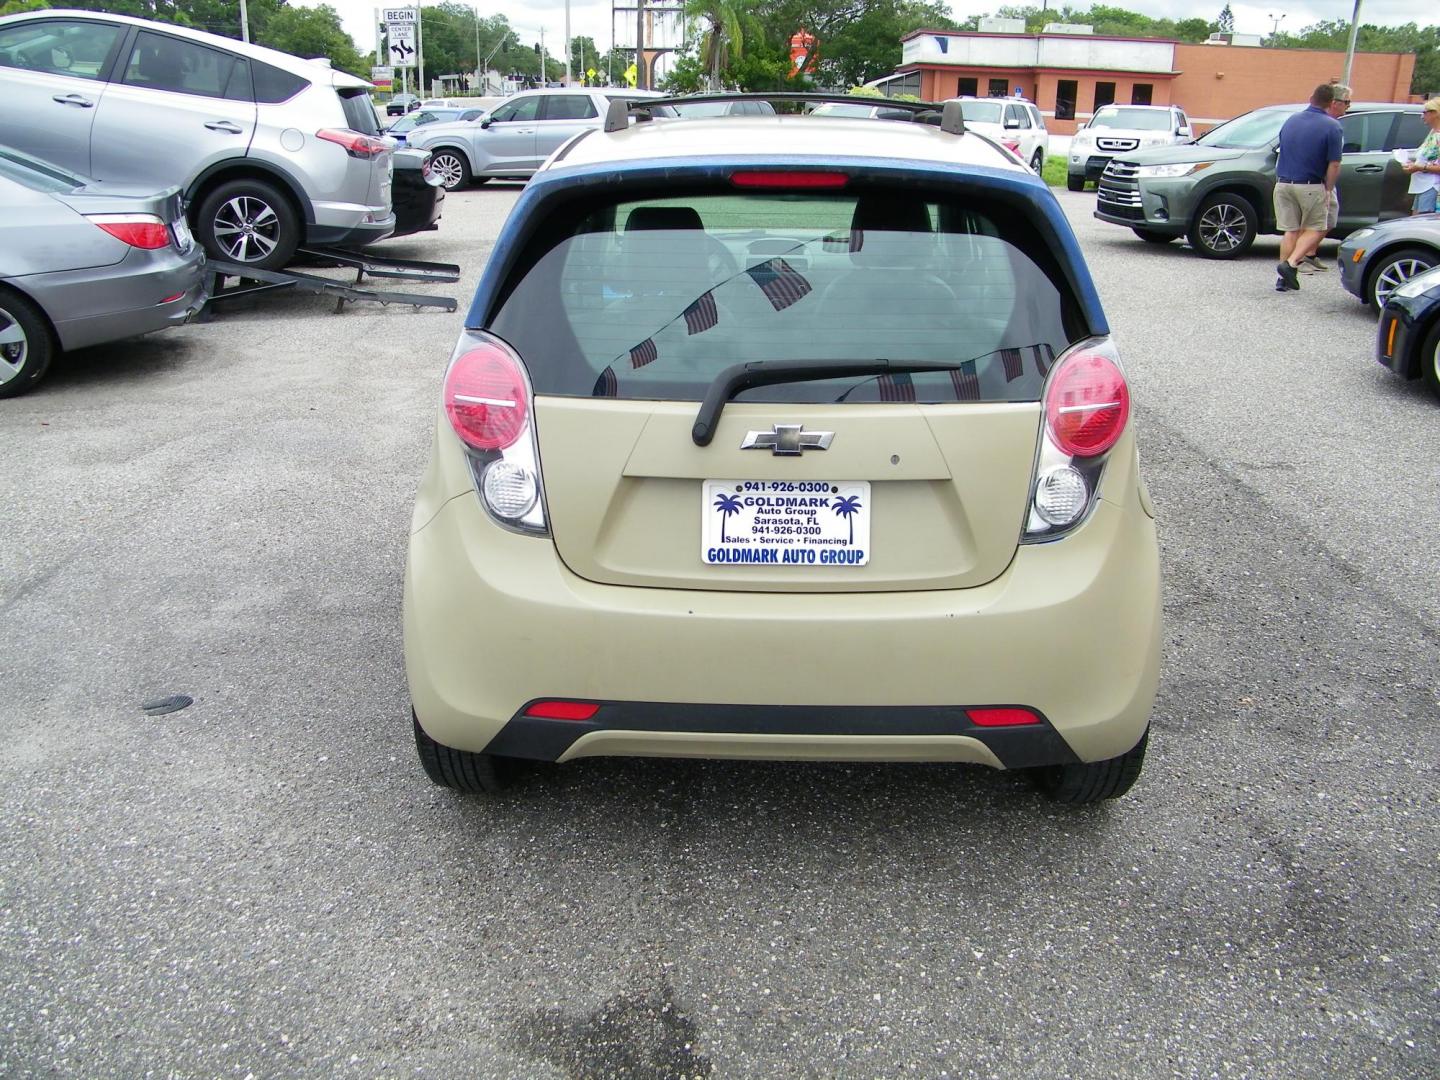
144, 292
494, 620
349, 225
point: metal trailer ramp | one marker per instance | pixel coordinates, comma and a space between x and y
250, 281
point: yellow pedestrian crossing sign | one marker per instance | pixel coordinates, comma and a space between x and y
632, 75
590, 74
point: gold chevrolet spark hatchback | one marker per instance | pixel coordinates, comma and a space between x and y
780, 437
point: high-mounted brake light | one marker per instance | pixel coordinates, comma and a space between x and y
1087, 405
355, 144
486, 397
138, 230
563, 710
783, 178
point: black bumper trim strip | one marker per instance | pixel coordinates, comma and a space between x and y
1019, 747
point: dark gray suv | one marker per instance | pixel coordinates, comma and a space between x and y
1217, 191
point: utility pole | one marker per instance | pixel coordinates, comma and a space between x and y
420, 49
477, 48
642, 82
567, 42
543, 79
245, 21
1350, 49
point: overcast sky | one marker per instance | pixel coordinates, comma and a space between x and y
593, 19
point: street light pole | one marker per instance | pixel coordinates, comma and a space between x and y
244, 22
1350, 49
567, 42
641, 82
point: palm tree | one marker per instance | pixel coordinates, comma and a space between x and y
723, 38
847, 507
727, 505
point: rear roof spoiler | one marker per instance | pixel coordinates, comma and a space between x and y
949, 117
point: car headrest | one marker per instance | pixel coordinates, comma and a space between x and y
663, 217
890, 213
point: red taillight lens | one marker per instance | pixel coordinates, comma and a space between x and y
781, 178
1087, 405
486, 397
355, 144
138, 230
1001, 717
563, 710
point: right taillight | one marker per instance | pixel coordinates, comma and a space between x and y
355, 144
1087, 405
488, 401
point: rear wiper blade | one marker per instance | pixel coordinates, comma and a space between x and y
737, 377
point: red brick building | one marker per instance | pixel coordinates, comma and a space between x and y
1071, 73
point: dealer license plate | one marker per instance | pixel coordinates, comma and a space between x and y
785, 523
183, 239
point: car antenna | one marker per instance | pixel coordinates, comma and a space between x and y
952, 118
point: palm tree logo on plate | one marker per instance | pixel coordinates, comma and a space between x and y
727, 505
847, 507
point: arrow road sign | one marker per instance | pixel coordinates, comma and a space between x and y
402, 43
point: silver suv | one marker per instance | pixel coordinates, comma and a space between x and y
514, 139
269, 150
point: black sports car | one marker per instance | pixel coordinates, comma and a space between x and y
1408, 341
417, 193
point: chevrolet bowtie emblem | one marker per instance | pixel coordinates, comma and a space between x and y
787, 439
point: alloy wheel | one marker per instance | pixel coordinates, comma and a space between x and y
247, 229
449, 169
1395, 275
1223, 227
14, 347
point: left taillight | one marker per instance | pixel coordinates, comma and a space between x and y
138, 230
355, 144
1087, 408
489, 404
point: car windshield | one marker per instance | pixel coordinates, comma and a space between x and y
982, 112
652, 299
1258, 128
35, 174
1133, 119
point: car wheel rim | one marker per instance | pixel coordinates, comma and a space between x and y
1395, 275
14, 347
1222, 227
247, 229
1037, 162
449, 170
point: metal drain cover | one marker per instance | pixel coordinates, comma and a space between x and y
161, 706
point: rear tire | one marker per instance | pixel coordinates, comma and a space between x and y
1152, 237
1093, 781
26, 346
1075, 183
452, 168
461, 770
250, 222
1396, 268
1224, 226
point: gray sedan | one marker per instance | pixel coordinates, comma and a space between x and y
83, 263
1376, 261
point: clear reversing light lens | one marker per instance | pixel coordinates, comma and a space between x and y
1061, 495
510, 490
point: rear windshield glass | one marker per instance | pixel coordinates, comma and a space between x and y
359, 113
982, 112
652, 299
1133, 119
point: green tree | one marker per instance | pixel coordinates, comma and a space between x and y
722, 35
312, 32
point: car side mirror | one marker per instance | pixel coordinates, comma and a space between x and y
486, 122
1183, 132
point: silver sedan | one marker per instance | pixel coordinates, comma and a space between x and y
84, 263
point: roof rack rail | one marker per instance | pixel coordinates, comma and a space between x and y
948, 118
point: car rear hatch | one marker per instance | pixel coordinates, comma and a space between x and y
360, 116
910, 473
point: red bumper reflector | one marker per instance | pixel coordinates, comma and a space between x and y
563, 710
782, 178
172, 299
1001, 717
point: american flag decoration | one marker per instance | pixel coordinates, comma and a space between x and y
966, 382
644, 353
781, 283
1014, 366
702, 314
607, 385
896, 387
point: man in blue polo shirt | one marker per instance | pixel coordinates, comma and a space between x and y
1306, 173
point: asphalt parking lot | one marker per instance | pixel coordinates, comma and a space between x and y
265, 884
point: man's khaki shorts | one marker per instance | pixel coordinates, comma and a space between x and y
1301, 206
1332, 212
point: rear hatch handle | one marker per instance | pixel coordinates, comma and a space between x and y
737, 377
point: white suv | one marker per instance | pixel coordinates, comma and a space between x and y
1016, 124
1120, 129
